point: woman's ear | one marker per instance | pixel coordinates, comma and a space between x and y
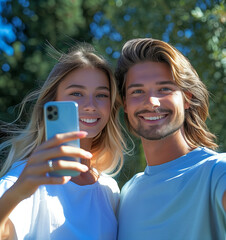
187, 100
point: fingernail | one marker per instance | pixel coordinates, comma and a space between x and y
82, 133
85, 168
88, 155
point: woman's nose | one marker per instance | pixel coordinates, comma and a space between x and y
90, 104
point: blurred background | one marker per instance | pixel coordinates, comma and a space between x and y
195, 27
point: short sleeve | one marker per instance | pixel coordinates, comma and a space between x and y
11, 177
219, 182
220, 190
5, 185
112, 190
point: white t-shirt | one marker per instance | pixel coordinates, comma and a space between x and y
68, 211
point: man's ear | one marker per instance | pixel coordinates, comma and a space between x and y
187, 100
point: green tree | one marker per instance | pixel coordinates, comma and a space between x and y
35, 23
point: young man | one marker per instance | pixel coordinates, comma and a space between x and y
182, 192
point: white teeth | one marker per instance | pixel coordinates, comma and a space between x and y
154, 118
88, 120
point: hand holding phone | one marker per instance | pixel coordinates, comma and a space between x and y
62, 117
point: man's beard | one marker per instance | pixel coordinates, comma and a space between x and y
156, 132
151, 134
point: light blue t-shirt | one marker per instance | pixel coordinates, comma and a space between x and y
178, 200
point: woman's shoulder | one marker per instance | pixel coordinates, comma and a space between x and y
11, 176
109, 182
111, 189
14, 171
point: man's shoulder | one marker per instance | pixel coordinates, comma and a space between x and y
210, 163
216, 159
133, 181
219, 168
208, 156
137, 177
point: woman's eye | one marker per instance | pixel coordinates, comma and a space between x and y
102, 95
76, 94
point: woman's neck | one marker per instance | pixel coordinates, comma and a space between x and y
86, 143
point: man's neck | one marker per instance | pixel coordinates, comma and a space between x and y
165, 150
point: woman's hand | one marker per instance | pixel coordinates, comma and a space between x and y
37, 167
35, 174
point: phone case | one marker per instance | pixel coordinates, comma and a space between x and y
62, 117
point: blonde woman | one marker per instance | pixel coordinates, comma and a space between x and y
34, 205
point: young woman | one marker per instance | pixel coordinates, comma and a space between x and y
34, 205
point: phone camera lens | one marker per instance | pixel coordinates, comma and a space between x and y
52, 112
50, 109
50, 116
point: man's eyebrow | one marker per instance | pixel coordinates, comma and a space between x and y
165, 82
158, 83
83, 87
135, 85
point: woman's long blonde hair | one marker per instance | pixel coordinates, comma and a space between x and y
148, 49
107, 147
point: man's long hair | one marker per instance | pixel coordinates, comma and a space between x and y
186, 78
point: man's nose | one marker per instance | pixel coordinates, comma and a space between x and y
154, 101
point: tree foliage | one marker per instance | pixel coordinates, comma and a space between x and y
197, 28
34, 24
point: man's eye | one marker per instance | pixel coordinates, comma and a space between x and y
165, 89
137, 91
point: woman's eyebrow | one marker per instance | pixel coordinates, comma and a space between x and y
75, 86
83, 87
103, 88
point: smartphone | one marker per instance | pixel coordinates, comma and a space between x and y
62, 117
